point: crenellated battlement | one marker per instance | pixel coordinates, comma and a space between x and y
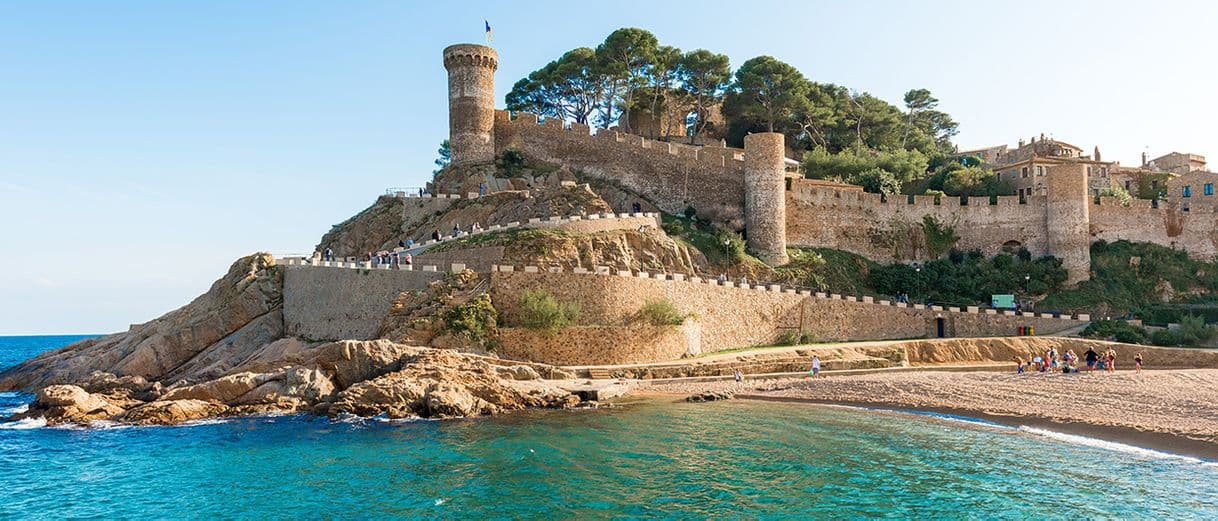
470, 55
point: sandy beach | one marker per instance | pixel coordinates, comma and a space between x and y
1170, 410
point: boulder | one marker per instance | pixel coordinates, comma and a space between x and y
446, 400
69, 404
518, 372
168, 412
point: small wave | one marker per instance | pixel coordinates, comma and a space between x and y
10, 394
24, 424
1112, 445
107, 425
16, 410
967, 420
202, 422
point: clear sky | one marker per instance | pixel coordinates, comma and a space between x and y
146, 145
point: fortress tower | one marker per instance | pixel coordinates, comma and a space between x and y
1067, 219
471, 102
765, 208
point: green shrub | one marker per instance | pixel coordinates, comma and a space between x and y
1166, 338
540, 311
940, 236
690, 212
735, 246
787, 338
511, 161
474, 320
660, 312
1118, 330
1193, 330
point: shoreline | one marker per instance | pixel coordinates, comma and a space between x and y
1165, 442
1164, 410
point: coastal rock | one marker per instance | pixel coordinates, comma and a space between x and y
237, 315
352, 361
710, 396
446, 400
69, 403
435, 383
561, 374
390, 395
168, 412
518, 372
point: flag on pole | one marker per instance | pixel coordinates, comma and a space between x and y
488, 30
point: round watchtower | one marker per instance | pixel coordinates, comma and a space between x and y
1068, 220
765, 207
471, 102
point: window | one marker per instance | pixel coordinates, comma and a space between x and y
1024, 172
1104, 172
1188, 191
1040, 170
1088, 171
1127, 184
1209, 188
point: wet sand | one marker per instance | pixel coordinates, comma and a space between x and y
1172, 410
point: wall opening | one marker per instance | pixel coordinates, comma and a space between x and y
940, 328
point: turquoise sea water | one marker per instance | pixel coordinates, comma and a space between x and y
643, 460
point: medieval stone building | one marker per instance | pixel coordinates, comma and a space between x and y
1057, 211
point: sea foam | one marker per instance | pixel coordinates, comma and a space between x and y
24, 424
1113, 446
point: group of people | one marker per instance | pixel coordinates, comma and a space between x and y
1069, 362
389, 258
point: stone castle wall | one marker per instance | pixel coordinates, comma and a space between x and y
1194, 231
732, 317
601, 345
866, 224
671, 175
323, 303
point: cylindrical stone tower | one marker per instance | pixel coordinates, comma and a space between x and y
765, 206
1068, 220
471, 102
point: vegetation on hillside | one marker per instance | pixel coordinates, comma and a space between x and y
631, 71
844, 134
1191, 331
1158, 284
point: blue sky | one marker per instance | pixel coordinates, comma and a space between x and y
145, 145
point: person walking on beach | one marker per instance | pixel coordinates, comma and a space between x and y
1091, 356
1137, 363
1018, 364
739, 377
815, 366
1111, 359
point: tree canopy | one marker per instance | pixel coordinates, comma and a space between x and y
631, 71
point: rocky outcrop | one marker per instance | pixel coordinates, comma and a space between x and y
69, 403
442, 384
168, 412
349, 377
239, 314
